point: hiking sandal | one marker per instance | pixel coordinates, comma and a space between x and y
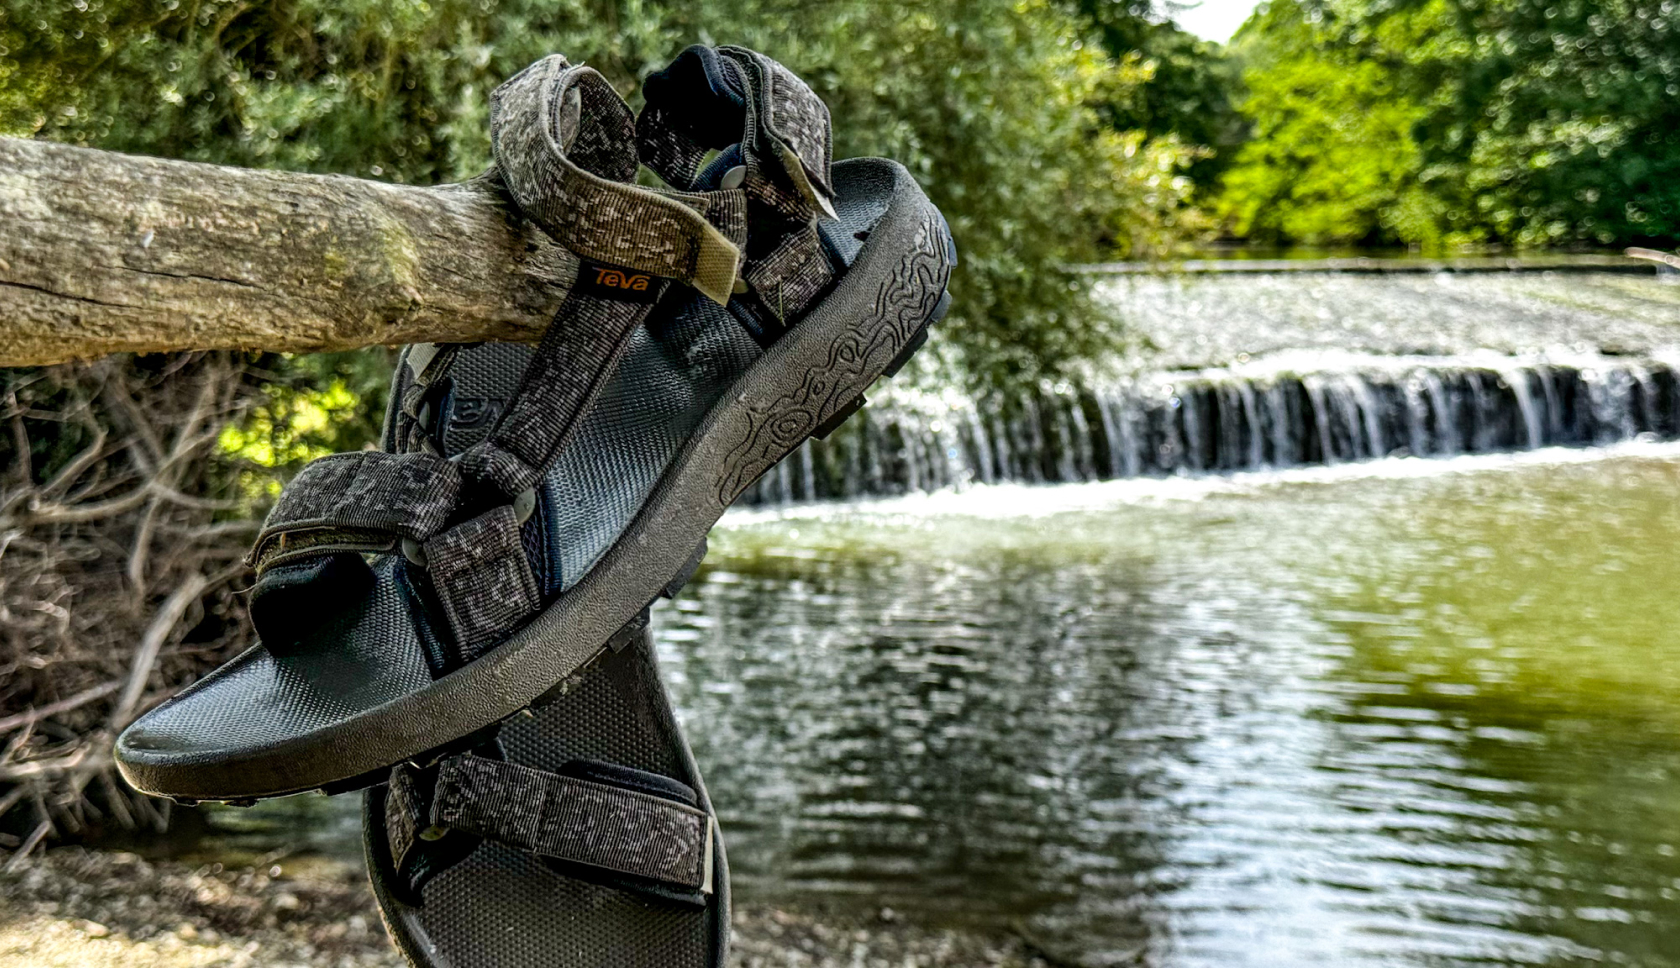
580, 836
410, 599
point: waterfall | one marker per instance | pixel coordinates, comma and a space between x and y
1249, 417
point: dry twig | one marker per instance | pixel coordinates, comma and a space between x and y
104, 463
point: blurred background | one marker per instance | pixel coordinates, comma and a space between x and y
1270, 562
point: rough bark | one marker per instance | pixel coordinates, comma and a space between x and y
103, 252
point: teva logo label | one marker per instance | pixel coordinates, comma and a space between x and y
608, 282
616, 279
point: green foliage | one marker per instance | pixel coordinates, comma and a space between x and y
1192, 89
996, 109
1332, 158
1549, 121
306, 407
996, 106
1436, 122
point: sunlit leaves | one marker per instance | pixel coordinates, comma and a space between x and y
1536, 122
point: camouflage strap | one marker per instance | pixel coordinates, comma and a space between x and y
711, 99
562, 138
563, 818
577, 355
482, 579
358, 501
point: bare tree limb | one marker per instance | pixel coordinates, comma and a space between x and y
168, 615
81, 760
29, 844
102, 252
39, 713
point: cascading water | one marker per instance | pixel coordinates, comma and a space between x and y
1254, 416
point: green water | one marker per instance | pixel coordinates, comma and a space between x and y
1427, 716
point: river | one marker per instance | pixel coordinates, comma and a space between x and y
1405, 712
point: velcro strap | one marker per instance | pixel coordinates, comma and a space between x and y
360, 500
580, 821
481, 577
562, 139
708, 99
788, 124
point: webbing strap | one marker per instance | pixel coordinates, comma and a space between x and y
383, 496
572, 363
481, 578
560, 817
710, 99
561, 136
787, 123
408, 814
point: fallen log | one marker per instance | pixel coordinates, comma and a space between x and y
103, 253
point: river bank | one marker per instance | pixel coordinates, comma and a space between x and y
76, 908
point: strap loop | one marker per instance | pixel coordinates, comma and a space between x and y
479, 572
562, 139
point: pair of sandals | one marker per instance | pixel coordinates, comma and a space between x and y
457, 622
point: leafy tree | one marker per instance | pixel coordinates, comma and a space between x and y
1522, 122
1192, 89
1332, 158
1548, 121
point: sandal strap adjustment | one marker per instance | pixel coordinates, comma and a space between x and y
562, 138
598, 825
359, 501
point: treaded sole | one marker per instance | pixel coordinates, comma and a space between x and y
804, 382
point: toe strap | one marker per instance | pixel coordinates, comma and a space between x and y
591, 822
358, 501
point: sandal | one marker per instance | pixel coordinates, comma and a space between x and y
581, 835
409, 600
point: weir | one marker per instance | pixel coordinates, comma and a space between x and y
1283, 412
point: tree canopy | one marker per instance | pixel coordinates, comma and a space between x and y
1439, 122
1050, 131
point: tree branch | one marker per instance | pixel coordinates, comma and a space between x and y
103, 253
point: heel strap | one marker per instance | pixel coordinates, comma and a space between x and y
710, 99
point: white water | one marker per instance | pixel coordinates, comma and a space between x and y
1295, 409
1015, 500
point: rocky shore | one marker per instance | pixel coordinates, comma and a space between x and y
77, 908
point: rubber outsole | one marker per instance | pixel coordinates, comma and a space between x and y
806, 384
